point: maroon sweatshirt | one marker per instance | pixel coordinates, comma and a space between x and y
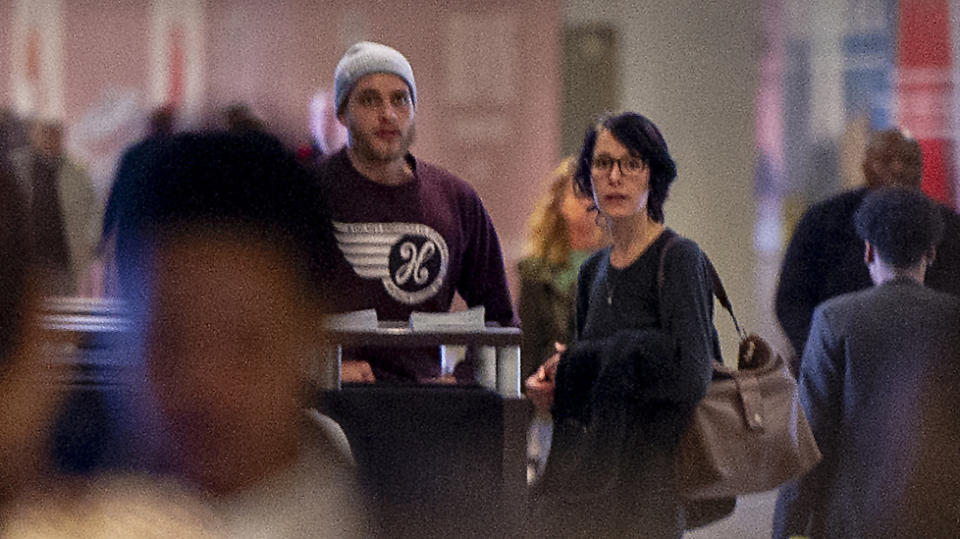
410, 248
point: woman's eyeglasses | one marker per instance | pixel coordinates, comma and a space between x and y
629, 166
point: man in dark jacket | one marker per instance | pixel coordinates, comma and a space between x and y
824, 258
880, 382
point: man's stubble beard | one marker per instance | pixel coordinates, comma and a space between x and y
366, 151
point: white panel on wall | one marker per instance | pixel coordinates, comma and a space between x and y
37, 58
176, 54
827, 27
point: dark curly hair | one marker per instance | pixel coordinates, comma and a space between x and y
901, 223
222, 182
643, 140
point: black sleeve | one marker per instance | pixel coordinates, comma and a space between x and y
801, 281
687, 309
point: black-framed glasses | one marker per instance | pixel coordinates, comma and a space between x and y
629, 166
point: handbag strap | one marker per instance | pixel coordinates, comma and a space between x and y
718, 290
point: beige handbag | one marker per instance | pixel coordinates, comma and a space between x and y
750, 433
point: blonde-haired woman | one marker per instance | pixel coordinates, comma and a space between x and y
563, 234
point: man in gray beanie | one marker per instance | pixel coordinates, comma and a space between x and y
412, 234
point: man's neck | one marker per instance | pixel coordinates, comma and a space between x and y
394, 172
884, 273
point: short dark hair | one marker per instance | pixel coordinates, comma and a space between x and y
644, 140
223, 182
14, 271
901, 223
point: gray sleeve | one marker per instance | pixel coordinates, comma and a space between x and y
821, 382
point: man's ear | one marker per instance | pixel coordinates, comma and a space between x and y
931, 255
869, 253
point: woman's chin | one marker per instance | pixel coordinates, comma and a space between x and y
620, 212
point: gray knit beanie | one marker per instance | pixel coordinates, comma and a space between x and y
367, 57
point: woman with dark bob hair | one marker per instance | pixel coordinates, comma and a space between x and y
641, 358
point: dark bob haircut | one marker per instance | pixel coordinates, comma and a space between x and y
643, 140
225, 183
901, 223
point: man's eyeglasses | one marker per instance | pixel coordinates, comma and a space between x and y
629, 166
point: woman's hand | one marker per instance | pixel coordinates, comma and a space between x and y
540, 384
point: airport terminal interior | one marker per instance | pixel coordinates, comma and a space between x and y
767, 107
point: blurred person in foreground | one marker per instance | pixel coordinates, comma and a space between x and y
825, 256
35, 500
411, 233
225, 266
880, 383
563, 234
62, 208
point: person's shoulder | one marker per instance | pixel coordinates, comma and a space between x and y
846, 199
937, 299
835, 208
839, 314
681, 249
856, 303
435, 176
951, 219
332, 172
591, 265
848, 302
